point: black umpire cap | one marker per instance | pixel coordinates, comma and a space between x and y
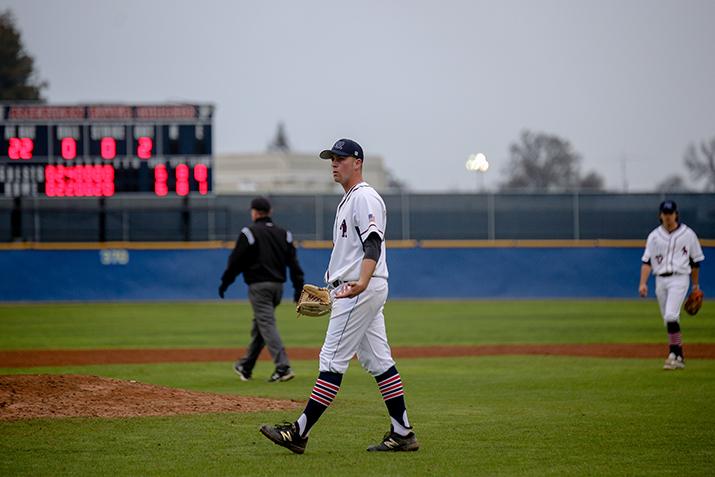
344, 148
668, 207
261, 204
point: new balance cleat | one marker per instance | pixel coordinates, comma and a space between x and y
393, 442
285, 435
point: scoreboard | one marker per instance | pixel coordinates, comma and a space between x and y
99, 150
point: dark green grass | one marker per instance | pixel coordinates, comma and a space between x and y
473, 416
409, 323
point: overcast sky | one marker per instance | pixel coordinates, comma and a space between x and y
421, 83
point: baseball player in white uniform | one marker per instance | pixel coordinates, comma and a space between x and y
357, 280
673, 253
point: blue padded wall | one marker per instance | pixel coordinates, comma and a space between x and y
78, 275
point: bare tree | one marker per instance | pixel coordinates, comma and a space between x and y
592, 181
17, 68
542, 162
674, 183
701, 163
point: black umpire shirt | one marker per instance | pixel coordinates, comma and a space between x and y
262, 252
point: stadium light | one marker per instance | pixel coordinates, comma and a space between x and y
478, 163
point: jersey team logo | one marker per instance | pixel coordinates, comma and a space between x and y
659, 259
685, 250
344, 229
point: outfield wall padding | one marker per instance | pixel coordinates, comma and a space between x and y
568, 272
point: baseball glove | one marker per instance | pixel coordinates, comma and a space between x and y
694, 302
313, 301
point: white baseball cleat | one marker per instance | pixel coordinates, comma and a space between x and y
673, 362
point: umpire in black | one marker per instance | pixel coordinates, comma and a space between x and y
262, 252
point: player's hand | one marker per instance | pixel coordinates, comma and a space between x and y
643, 290
221, 290
351, 289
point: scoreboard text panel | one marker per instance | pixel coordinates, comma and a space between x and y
102, 150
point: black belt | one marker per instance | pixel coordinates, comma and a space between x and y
670, 274
337, 283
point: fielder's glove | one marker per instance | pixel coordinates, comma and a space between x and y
694, 302
314, 301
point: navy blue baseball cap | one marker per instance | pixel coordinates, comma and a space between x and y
261, 204
343, 148
668, 207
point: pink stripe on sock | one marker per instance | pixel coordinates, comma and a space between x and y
389, 380
319, 400
394, 394
391, 388
323, 394
675, 338
324, 390
328, 385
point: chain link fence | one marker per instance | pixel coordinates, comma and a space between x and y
511, 216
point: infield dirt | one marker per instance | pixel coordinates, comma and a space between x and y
26, 396
30, 358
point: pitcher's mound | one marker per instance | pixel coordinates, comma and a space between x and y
28, 396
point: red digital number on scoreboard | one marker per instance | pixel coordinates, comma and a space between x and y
182, 179
182, 176
144, 147
108, 148
160, 178
20, 148
68, 148
201, 175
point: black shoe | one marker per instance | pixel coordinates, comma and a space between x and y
242, 373
281, 375
393, 442
285, 435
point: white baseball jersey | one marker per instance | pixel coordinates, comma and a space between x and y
670, 253
357, 324
360, 213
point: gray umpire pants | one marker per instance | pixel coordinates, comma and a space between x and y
265, 297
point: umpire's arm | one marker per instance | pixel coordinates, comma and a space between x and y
235, 264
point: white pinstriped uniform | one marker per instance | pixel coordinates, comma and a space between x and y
357, 324
670, 254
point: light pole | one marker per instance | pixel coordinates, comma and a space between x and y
478, 164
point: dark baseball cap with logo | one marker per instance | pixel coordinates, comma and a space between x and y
668, 207
261, 204
343, 148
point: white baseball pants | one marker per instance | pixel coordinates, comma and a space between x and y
671, 292
357, 325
